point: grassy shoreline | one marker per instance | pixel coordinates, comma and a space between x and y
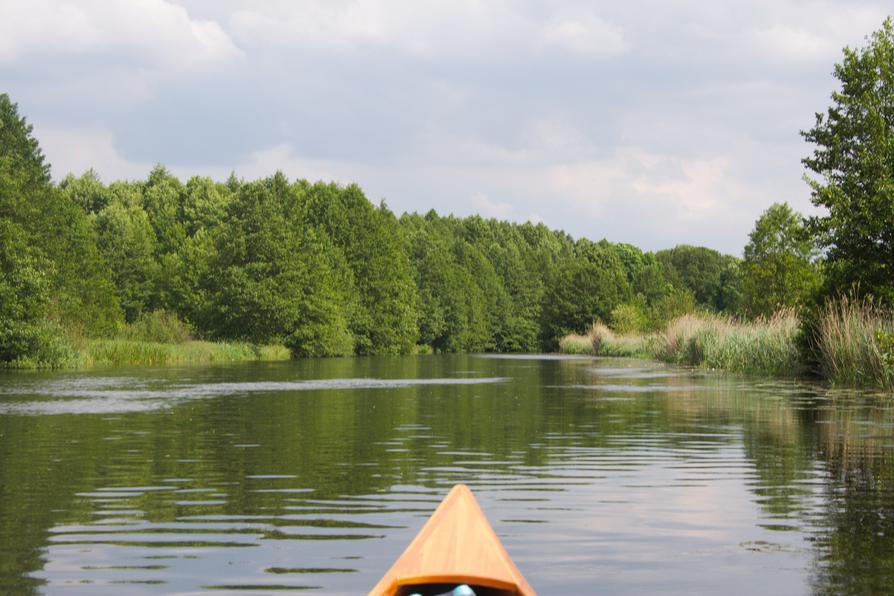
97, 353
850, 342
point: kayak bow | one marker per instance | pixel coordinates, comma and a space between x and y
455, 546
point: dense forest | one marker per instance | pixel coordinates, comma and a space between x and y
314, 266
320, 269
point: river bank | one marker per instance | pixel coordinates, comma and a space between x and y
850, 342
95, 353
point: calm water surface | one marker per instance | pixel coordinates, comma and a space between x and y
601, 476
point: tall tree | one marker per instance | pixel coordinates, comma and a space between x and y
372, 243
127, 242
853, 163
56, 228
585, 288
708, 274
778, 269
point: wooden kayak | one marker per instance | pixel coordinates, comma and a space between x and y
455, 546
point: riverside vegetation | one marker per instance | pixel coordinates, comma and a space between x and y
814, 295
164, 271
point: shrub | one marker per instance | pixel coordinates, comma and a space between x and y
628, 318
158, 326
38, 345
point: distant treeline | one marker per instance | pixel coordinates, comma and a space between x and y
320, 269
317, 267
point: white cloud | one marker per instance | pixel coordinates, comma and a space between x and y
487, 207
479, 29
149, 33
76, 150
585, 34
655, 190
793, 44
410, 26
802, 32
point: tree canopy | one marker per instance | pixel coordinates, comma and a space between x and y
853, 167
778, 270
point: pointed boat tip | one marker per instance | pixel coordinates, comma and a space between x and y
456, 545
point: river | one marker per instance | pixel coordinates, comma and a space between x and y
600, 476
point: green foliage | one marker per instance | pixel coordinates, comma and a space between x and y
452, 306
158, 326
764, 346
127, 243
161, 196
314, 266
629, 318
709, 275
383, 319
583, 290
269, 276
24, 294
885, 341
56, 230
777, 271
41, 345
677, 303
87, 192
853, 342
580, 345
124, 352
854, 164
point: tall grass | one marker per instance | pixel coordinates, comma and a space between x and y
125, 352
853, 339
853, 342
765, 346
159, 338
602, 341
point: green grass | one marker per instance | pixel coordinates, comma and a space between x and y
577, 344
763, 346
855, 343
602, 341
766, 346
853, 339
124, 352
156, 339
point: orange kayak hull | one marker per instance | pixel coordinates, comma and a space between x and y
455, 546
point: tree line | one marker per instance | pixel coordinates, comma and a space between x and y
321, 269
315, 266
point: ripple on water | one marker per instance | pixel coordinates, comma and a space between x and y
105, 396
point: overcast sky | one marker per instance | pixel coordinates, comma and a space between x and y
653, 122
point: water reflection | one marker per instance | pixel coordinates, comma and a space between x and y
601, 476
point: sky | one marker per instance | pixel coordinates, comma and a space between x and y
652, 122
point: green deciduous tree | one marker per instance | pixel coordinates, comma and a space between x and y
370, 238
127, 242
24, 293
709, 275
56, 229
778, 269
585, 288
854, 166
270, 275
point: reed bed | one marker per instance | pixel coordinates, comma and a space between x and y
765, 346
602, 341
124, 352
855, 343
